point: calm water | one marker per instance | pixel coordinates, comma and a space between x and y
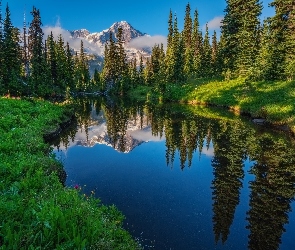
184, 177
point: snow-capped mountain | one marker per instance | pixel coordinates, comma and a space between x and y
82, 33
99, 39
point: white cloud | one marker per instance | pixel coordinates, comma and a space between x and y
148, 41
146, 135
208, 152
215, 23
74, 43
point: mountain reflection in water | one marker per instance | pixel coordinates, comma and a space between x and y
228, 184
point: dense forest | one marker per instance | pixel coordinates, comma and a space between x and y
32, 65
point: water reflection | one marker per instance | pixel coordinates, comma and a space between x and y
230, 146
189, 134
272, 192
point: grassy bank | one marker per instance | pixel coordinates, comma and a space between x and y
37, 212
273, 101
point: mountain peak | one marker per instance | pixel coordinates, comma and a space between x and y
122, 23
128, 31
80, 33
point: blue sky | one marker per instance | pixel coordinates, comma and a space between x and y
95, 15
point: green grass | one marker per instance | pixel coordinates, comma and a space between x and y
274, 101
37, 212
143, 93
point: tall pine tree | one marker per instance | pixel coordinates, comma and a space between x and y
197, 44
40, 74
1, 51
11, 65
281, 46
187, 37
206, 55
240, 29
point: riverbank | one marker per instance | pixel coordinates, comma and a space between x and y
37, 211
271, 101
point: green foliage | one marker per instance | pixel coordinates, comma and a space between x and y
240, 31
279, 46
39, 80
36, 210
11, 57
270, 100
206, 56
115, 72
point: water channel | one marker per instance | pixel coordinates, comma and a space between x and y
185, 177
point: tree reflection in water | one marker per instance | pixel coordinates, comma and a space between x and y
233, 140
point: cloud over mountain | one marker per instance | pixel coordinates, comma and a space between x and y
74, 43
215, 23
147, 41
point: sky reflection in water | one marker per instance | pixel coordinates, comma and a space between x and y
235, 193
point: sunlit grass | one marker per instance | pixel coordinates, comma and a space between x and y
37, 212
273, 101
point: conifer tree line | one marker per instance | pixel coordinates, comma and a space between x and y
246, 47
34, 65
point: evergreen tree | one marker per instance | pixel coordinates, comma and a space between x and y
1, 51
169, 59
96, 80
140, 72
77, 73
123, 81
187, 31
40, 75
187, 36
281, 45
219, 66
260, 71
179, 74
83, 77
161, 77
206, 56
174, 59
248, 36
197, 44
25, 58
290, 60
133, 73
11, 65
110, 64
61, 61
170, 30
69, 69
52, 60
214, 54
122, 61
148, 73
155, 61
240, 28
229, 29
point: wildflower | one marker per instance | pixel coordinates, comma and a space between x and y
76, 186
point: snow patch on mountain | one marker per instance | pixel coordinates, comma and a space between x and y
136, 43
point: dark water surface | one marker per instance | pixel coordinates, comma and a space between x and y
184, 177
